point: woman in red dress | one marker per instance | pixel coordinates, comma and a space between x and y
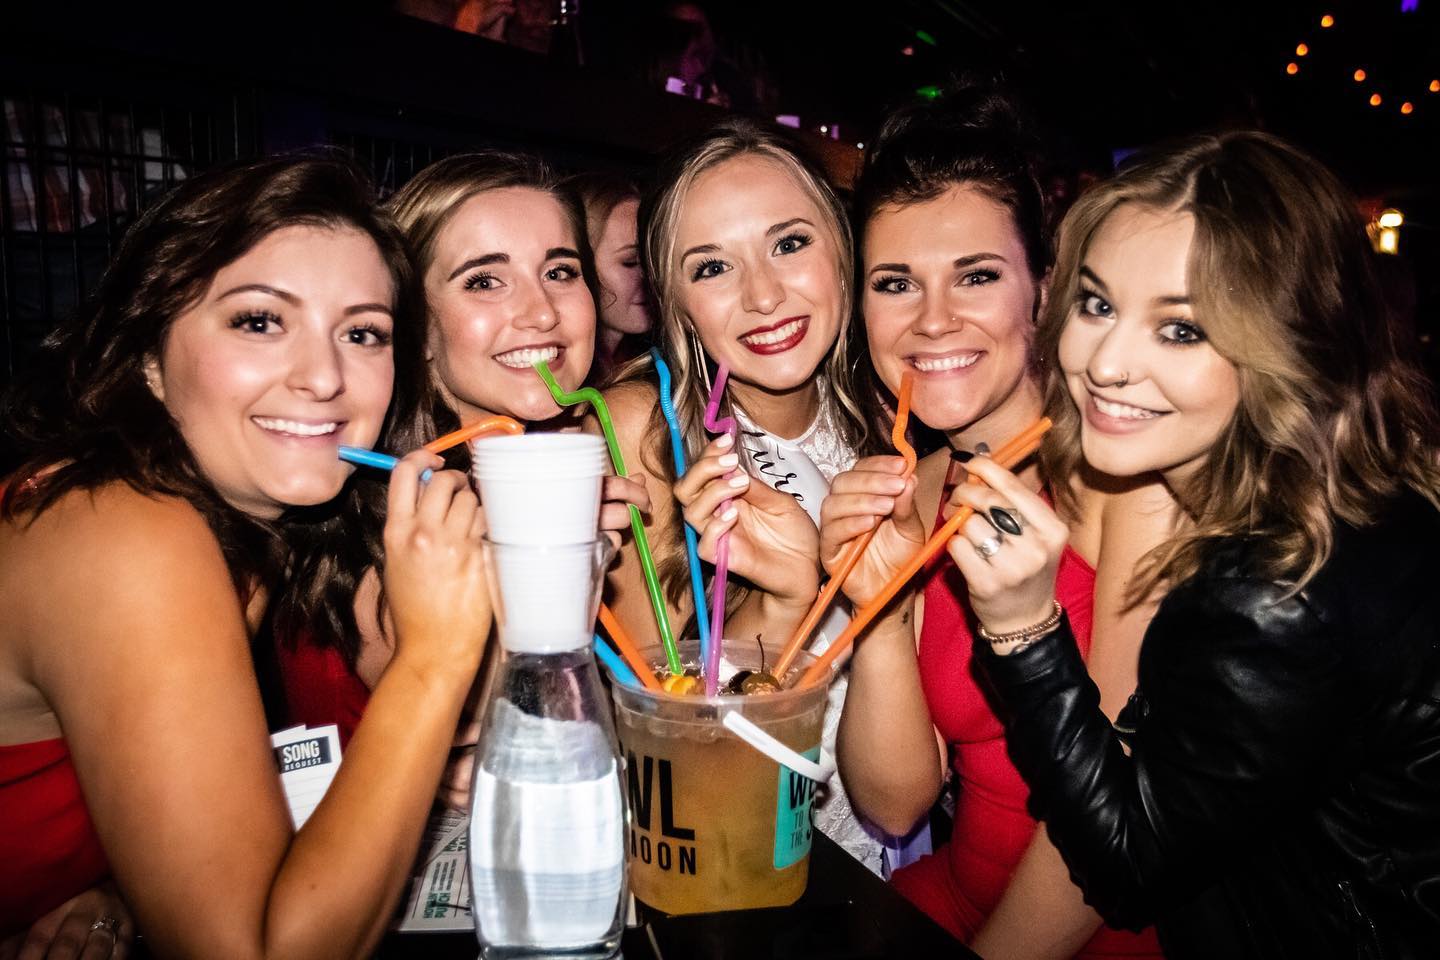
955, 256
180, 478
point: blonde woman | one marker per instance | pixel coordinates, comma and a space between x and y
1216, 318
749, 253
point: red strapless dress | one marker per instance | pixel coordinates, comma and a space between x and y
48, 848
320, 688
962, 882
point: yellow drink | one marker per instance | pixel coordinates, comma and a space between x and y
713, 823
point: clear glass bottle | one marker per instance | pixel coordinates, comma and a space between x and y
547, 823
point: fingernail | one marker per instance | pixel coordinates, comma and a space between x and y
426, 475
730, 460
982, 449
730, 514
740, 481
724, 440
962, 456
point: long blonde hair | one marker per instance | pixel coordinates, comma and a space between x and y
1334, 417
659, 219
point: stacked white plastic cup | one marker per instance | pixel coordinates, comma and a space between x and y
541, 495
541, 489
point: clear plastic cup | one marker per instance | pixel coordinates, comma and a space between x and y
714, 823
540, 488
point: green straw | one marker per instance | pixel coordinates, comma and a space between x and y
637, 526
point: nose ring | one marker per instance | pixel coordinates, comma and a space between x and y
1124, 379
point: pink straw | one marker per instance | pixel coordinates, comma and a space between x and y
722, 543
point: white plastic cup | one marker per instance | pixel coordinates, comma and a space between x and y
546, 597
540, 488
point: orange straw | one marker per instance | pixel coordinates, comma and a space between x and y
856, 549
497, 424
628, 650
1020, 447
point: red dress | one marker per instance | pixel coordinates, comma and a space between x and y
962, 882
48, 848
320, 688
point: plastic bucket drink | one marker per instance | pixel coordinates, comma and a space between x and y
714, 823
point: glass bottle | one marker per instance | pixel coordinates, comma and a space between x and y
547, 854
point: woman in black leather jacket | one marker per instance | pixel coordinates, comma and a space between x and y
1273, 787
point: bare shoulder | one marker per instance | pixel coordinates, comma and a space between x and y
632, 405
116, 530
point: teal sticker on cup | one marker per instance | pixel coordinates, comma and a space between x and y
794, 802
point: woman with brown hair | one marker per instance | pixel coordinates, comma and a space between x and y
1215, 317
180, 483
955, 257
625, 310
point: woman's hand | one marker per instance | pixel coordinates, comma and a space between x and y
92, 925
773, 542
616, 497
872, 495
1014, 587
435, 570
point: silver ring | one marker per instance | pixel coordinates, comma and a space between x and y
1008, 520
988, 547
108, 926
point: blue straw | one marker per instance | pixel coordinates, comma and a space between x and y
370, 458
692, 545
619, 669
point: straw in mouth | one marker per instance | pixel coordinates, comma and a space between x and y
637, 525
380, 461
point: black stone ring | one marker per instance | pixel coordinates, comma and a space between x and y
1007, 521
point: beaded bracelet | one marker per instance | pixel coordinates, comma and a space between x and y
1028, 635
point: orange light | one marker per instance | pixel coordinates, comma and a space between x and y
1359, 76
1327, 21
1292, 68
1301, 50
1407, 107
1374, 99
1435, 86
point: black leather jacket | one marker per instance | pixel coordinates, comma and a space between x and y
1282, 796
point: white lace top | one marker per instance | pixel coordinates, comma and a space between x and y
803, 467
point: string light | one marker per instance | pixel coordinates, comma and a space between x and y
1435, 86
1302, 49
1359, 76
1327, 21
1407, 107
1292, 68
1375, 100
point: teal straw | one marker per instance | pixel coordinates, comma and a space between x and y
692, 546
637, 526
618, 668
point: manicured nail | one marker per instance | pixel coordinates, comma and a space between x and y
982, 449
724, 440
740, 480
730, 460
730, 514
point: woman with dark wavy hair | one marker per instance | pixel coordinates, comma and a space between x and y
180, 479
955, 256
1272, 788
